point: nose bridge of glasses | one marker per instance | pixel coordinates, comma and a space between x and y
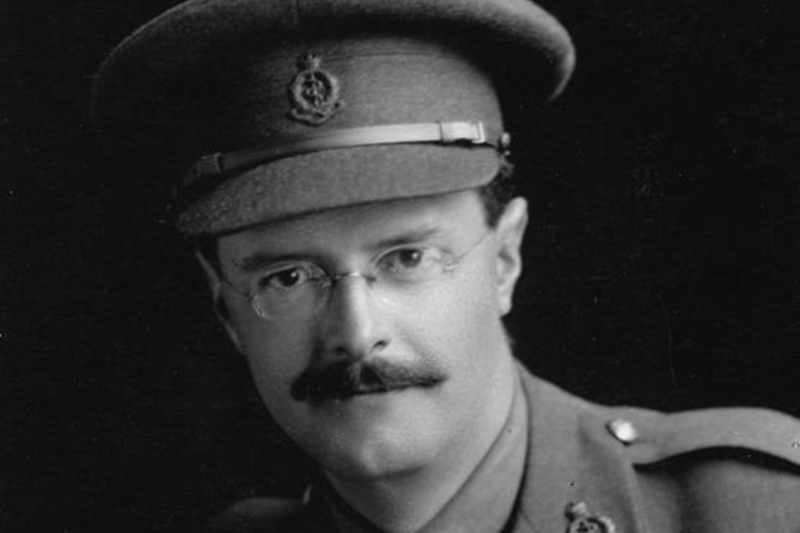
351, 296
369, 277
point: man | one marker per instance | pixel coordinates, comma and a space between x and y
340, 168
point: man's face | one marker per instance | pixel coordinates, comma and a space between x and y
390, 370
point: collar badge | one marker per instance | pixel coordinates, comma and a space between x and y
581, 521
314, 94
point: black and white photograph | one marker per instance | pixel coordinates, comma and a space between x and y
399, 266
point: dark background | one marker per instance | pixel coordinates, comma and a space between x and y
661, 268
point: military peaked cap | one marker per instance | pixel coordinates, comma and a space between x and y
266, 109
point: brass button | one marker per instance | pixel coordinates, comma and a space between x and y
623, 430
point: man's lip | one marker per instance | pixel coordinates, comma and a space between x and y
365, 391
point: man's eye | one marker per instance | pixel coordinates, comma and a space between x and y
409, 260
285, 279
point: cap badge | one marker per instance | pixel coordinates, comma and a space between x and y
314, 94
581, 521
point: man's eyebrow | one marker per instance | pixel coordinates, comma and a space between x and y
261, 259
408, 237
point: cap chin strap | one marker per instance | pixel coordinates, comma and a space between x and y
211, 169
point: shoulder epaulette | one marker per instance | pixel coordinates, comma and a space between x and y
650, 437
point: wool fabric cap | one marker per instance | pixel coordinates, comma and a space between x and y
318, 104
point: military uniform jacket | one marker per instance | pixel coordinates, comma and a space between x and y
596, 469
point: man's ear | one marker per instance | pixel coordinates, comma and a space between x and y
510, 232
217, 299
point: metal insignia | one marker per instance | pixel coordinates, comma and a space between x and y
581, 521
314, 94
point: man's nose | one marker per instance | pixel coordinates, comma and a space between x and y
353, 325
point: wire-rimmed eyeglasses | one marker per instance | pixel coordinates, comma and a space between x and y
291, 288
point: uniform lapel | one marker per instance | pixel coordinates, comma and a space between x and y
572, 460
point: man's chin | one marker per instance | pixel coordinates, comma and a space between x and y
378, 435
373, 454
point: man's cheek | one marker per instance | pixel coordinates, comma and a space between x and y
272, 378
445, 325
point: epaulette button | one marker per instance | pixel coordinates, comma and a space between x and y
623, 430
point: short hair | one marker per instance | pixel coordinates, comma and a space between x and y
494, 196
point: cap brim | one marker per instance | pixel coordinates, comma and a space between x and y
335, 178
